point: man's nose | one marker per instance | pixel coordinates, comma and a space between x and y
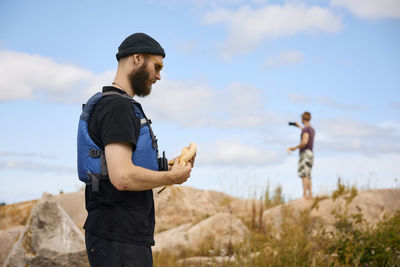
158, 76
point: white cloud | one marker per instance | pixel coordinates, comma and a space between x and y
243, 99
234, 152
25, 76
349, 135
249, 27
32, 161
202, 3
346, 127
196, 104
392, 126
371, 9
31, 155
323, 101
190, 103
245, 107
22, 165
285, 58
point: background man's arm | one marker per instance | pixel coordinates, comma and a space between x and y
304, 141
124, 175
298, 125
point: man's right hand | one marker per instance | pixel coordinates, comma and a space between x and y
125, 176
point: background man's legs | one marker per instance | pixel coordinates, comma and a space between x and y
307, 194
304, 182
308, 187
305, 164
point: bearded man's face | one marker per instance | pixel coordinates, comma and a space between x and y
140, 80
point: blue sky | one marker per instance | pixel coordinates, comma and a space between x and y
235, 73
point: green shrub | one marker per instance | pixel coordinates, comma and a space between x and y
372, 246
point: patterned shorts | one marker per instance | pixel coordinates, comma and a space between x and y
305, 163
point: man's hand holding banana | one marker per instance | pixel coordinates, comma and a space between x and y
182, 162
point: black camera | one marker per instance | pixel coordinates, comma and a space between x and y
163, 163
292, 124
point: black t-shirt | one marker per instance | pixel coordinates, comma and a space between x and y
112, 120
126, 216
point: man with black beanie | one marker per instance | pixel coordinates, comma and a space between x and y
119, 228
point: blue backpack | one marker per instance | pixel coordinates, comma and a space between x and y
92, 166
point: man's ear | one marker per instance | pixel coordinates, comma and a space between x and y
138, 59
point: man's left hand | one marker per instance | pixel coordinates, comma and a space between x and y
193, 159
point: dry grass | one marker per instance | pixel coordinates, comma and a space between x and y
303, 241
15, 214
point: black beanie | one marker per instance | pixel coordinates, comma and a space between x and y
139, 43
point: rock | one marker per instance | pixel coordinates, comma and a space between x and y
372, 204
179, 205
50, 238
244, 208
273, 217
226, 230
7, 240
175, 206
74, 205
218, 232
17, 214
187, 220
173, 240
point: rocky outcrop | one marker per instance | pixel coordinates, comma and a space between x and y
7, 240
17, 214
219, 232
272, 218
178, 205
50, 238
373, 205
199, 222
74, 205
175, 206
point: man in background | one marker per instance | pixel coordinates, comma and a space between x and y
306, 159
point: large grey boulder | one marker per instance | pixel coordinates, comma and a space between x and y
74, 206
7, 239
219, 232
50, 238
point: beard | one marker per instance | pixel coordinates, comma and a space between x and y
140, 81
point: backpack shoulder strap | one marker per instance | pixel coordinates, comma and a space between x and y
143, 121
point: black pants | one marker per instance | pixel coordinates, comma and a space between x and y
108, 253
